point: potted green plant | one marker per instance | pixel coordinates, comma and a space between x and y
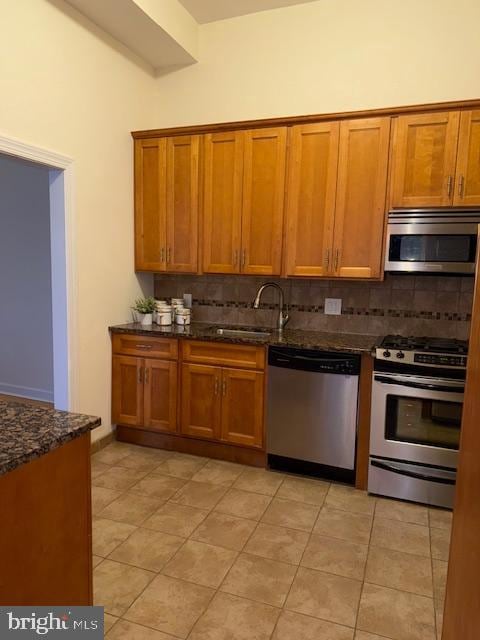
144, 308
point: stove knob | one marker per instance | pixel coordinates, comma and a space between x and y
386, 354
400, 355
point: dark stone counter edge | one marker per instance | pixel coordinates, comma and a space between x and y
315, 340
47, 446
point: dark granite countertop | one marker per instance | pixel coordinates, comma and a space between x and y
345, 342
28, 431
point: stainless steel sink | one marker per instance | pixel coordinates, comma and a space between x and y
243, 333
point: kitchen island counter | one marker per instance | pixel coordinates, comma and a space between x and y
46, 532
28, 431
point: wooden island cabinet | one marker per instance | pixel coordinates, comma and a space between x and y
302, 196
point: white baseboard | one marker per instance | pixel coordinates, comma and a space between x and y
26, 392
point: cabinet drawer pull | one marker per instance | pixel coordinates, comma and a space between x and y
145, 347
461, 186
169, 255
140, 375
327, 259
162, 255
215, 391
449, 185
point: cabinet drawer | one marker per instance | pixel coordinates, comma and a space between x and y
137, 345
224, 354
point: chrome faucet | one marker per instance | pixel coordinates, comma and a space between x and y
282, 313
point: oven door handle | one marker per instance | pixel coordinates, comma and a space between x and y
420, 385
413, 474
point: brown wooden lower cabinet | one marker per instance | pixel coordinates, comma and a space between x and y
144, 393
242, 407
216, 401
201, 409
127, 390
223, 404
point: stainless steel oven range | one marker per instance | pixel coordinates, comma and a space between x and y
417, 401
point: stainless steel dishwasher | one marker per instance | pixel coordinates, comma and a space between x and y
312, 412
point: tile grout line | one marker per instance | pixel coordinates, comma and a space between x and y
298, 567
365, 567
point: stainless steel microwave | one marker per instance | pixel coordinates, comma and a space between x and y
432, 241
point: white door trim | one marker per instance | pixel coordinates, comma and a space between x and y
64, 294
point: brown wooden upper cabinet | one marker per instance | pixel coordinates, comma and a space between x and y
361, 195
244, 184
166, 204
311, 187
468, 160
337, 184
436, 160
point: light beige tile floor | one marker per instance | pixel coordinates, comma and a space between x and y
187, 547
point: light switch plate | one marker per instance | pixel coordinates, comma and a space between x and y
187, 300
333, 306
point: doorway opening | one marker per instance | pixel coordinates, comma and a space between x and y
37, 292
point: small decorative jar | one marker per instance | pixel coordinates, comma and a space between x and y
182, 316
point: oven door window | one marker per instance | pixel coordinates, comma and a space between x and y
432, 248
422, 421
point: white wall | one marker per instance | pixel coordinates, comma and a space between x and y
327, 56
68, 87
26, 348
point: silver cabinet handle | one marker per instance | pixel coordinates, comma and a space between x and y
327, 259
224, 387
244, 257
162, 255
169, 255
461, 186
449, 185
215, 391
144, 347
337, 255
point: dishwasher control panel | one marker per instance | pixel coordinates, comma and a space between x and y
313, 360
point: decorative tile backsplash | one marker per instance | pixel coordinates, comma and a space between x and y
409, 305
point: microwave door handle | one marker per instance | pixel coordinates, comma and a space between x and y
420, 385
418, 475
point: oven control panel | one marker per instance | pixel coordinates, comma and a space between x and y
440, 359
426, 359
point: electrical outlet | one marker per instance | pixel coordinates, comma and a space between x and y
187, 300
333, 306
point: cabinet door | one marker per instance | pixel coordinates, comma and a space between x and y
424, 157
182, 203
468, 160
201, 401
242, 407
222, 202
127, 390
312, 177
361, 193
263, 198
150, 167
160, 395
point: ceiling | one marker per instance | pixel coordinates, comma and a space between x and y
211, 10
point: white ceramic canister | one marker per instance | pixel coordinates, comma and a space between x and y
164, 315
182, 316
